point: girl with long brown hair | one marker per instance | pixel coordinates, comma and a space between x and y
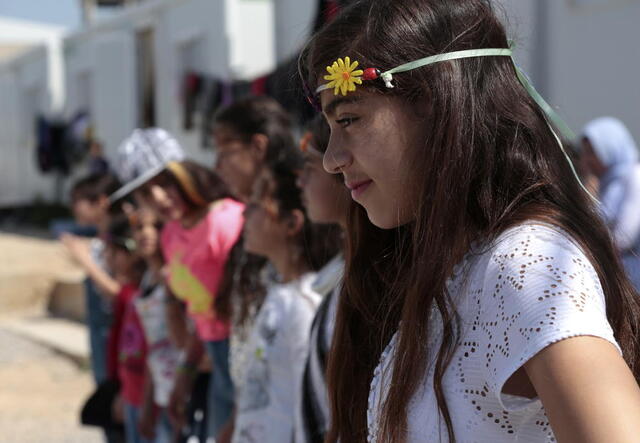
326, 201
278, 228
483, 300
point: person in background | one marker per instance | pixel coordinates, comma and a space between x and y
202, 224
249, 134
326, 201
91, 207
610, 155
482, 298
278, 229
126, 348
163, 357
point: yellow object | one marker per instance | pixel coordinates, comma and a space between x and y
343, 76
186, 286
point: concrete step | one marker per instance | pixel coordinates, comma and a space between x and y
66, 337
38, 275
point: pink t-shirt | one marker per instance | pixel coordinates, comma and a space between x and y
196, 259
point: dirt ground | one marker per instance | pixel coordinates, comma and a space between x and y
41, 392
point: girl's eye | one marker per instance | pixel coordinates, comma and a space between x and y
347, 121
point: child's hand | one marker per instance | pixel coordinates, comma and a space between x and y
179, 398
77, 247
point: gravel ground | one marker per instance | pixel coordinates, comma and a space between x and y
41, 393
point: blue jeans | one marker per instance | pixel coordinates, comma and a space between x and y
164, 430
99, 323
131, 418
220, 401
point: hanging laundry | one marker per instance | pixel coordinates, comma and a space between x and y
211, 101
259, 85
44, 155
192, 86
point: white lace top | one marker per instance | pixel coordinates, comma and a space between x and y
533, 287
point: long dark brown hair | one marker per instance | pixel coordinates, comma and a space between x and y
261, 115
489, 162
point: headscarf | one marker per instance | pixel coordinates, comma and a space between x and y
620, 185
612, 143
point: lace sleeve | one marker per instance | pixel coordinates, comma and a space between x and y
539, 288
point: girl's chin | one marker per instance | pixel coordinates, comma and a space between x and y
382, 220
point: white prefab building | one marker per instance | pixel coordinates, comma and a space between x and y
114, 68
31, 83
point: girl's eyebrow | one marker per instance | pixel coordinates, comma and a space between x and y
330, 109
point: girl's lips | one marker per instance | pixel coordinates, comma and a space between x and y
359, 188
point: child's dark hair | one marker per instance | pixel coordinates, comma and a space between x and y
242, 289
120, 235
260, 115
320, 242
96, 186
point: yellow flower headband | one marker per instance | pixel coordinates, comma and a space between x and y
343, 77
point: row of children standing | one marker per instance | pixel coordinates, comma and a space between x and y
232, 272
483, 299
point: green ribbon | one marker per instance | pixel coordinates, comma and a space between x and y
552, 117
387, 76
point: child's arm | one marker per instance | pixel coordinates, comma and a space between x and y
147, 422
79, 250
184, 380
177, 326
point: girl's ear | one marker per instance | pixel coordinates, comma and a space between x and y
295, 222
259, 145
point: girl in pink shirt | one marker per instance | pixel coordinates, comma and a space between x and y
203, 223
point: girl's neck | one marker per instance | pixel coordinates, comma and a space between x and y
288, 267
155, 264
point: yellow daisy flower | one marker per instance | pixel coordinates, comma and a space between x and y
343, 76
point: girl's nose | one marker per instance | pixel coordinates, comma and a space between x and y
337, 158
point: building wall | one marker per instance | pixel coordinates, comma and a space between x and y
582, 55
293, 25
596, 60
24, 94
226, 39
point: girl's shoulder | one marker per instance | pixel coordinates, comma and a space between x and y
528, 256
534, 242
